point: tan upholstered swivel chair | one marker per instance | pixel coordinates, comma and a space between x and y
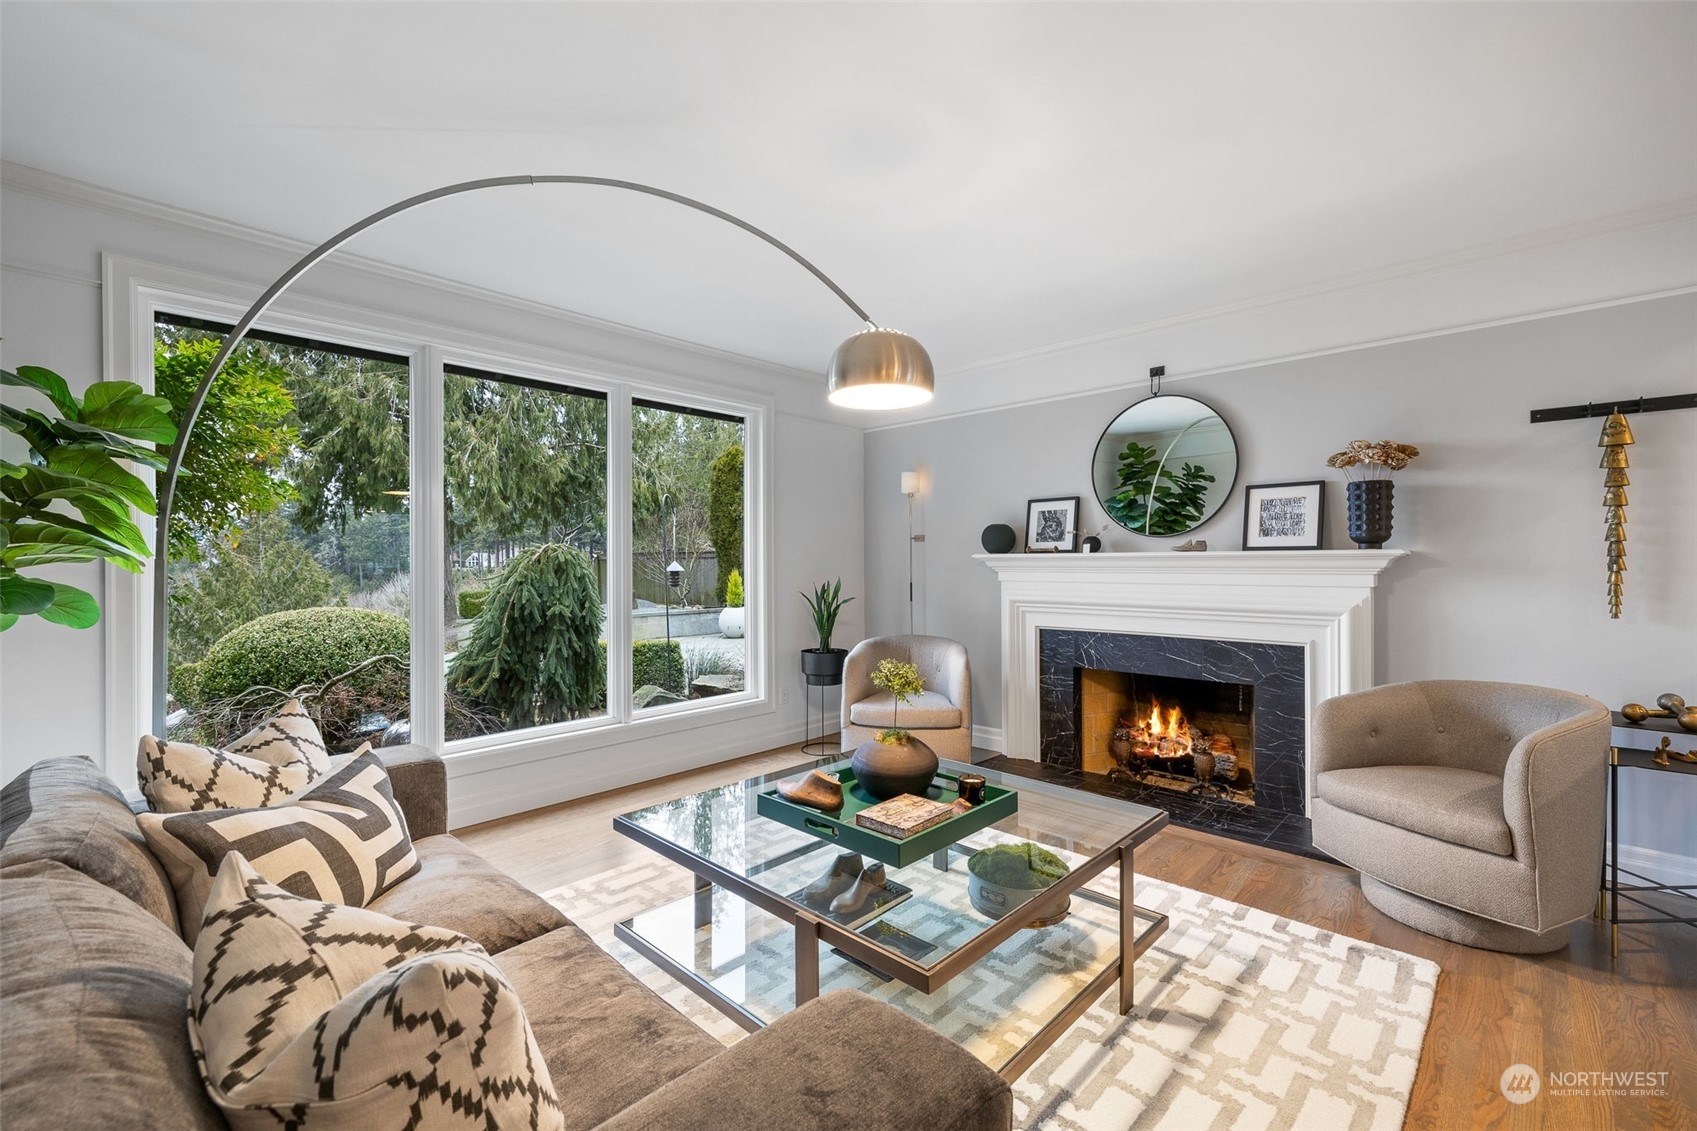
1473, 811
940, 716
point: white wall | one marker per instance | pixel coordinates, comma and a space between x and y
52, 236
1505, 517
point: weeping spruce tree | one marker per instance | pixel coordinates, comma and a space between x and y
534, 656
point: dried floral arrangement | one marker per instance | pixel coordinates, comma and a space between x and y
1372, 459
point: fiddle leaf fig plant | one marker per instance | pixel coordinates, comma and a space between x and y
1153, 498
71, 500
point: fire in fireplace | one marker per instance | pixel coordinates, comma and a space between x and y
1189, 736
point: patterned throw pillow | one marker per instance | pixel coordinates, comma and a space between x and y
314, 1015
271, 763
344, 841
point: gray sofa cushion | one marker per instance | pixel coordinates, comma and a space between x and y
93, 1009
456, 888
1458, 806
65, 809
609, 1039
843, 1061
927, 710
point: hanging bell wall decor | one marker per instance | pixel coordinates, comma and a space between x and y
1616, 436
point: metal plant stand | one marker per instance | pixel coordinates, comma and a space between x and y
818, 747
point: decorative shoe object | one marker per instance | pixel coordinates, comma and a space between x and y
818, 790
839, 878
1194, 546
858, 899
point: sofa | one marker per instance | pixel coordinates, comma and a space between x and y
940, 716
94, 983
1474, 811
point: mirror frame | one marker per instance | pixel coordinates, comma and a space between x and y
1237, 465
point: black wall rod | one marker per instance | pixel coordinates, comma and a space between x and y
1622, 406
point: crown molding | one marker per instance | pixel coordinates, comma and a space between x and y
1301, 355
1670, 212
68, 190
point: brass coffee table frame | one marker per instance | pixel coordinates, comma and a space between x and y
811, 930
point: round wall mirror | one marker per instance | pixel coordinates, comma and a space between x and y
1164, 466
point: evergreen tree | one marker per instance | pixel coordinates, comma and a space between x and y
534, 656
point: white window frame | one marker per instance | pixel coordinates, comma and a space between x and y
136, 290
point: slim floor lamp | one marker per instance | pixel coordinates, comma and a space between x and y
910, 488
875, 369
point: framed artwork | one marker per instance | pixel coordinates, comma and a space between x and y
1284, 516
1052, 524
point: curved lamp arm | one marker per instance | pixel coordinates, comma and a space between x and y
168, 479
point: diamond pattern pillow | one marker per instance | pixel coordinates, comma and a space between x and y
344, 841
271, 763
314, 1015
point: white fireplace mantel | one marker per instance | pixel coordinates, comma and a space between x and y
1321, 600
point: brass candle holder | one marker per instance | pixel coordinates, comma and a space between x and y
1617, 434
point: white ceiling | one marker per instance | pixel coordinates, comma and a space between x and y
990, 178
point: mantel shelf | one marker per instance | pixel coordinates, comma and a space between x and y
1343, 563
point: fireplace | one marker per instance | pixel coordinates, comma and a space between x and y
1182, 735
1294, 628
1169, 694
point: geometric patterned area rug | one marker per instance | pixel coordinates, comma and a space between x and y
1243, 1019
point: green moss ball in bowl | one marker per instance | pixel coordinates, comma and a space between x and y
1006, 875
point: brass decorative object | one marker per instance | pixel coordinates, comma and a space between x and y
1668, 706
1617, 434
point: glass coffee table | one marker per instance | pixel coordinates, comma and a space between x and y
748, 943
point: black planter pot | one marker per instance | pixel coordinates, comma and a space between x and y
1369, 511
823, 669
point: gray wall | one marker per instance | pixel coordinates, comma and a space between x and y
1504, 517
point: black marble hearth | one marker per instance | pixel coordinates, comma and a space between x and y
1290, 832
1276, 671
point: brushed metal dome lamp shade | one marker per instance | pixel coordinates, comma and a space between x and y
875, 369
880, 369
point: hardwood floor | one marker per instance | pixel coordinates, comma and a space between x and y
1578, 1010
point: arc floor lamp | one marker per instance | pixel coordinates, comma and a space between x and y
877, 368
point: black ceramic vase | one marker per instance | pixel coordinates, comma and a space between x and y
1369, 510
890, 770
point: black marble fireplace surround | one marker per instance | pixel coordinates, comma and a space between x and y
1276, 671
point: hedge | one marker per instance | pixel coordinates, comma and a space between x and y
658, 663
471, 602
301, 646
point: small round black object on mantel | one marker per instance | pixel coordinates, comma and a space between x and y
998, 538
1093, 545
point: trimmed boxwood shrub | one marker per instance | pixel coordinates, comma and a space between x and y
471, 602
302, 646
658, 663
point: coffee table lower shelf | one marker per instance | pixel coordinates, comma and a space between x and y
742, 972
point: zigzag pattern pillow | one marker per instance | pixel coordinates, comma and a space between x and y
312, 1015
271, 763
344, 841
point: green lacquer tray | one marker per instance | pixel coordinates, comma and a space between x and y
839, 827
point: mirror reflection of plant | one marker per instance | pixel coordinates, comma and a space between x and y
901, 680
1155, 499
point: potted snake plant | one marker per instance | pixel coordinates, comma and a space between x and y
823, 666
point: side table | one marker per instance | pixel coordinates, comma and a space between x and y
1624, 753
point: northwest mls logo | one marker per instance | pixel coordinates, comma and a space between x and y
1519, 1084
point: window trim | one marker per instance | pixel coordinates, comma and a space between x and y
134, 291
